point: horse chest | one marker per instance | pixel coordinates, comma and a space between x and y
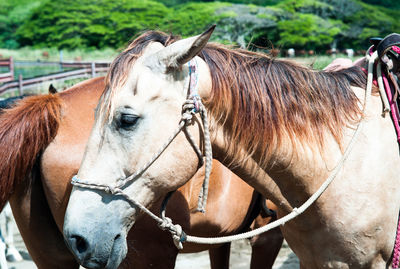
353, 224
345, 231
334, 246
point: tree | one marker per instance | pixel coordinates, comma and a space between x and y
384, 3
12, 15
90, 23
192, 18
307, 31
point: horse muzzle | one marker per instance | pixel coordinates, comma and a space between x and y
93, 231
101, 249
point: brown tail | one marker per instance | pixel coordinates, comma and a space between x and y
25, 131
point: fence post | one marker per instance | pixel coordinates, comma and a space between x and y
93, 67
61, 60
21, 91
11, 67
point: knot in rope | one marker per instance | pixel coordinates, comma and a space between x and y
191, 106
111, 190
178, 235
187, 117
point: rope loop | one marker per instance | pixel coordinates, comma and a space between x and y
178, 235
110, 190
166, 224
188, 110
188, 106
187, 117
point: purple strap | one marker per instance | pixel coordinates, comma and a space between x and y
396, 250
393, 107
395, 117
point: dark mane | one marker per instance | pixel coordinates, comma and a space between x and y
258, 98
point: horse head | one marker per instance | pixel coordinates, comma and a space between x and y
138, 112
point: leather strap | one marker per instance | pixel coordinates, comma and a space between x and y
375, 41
386, 44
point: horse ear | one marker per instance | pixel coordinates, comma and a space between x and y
52, 89
180, 52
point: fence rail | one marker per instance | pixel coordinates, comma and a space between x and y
62, 64
8, 76
87, 69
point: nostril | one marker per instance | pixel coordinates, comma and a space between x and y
80, 243
117, 237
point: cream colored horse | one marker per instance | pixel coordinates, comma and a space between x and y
280, 126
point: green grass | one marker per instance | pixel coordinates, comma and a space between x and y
33, 54
29, 71
319, 62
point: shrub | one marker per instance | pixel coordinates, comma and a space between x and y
90, 23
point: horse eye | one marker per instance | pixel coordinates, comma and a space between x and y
128, 120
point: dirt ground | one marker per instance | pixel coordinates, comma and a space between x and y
240, 257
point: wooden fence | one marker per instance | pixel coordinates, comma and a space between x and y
8, 76
86, 69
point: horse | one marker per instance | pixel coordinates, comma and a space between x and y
43, 139
6, 103
278, 125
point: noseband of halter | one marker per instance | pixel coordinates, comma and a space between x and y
191, 106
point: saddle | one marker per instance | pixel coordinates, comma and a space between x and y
389, 56
388, 50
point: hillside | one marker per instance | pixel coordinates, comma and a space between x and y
302, 24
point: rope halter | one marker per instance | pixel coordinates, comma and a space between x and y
191, 106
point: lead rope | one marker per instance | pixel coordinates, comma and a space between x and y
297, 211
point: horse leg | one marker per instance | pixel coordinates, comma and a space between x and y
42, 238
3, 261
219, 256
12, 253
265, 247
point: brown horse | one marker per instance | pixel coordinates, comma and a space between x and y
273, 122
43, 140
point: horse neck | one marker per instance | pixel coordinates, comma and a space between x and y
292, 176
220, 180
290, 165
